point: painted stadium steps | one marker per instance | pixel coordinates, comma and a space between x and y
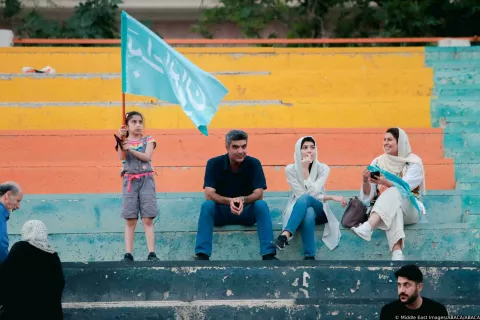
281, 289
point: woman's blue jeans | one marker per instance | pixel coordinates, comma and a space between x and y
306, 212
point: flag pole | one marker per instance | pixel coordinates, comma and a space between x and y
123, 108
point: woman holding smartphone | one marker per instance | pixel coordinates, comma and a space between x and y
391, 211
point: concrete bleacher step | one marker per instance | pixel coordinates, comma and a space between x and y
463, 126
188, 148
469, 155
451, 54
455, 92
256, 289
108, 60
89, 228
288, 309
465, 75
462, 142
360, 84
341, 112
431, 242
454, 111
181, 156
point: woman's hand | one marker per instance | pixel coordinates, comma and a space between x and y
307, 161
340, 200
381, 180
366, 176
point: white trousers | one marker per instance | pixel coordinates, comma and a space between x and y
395, 212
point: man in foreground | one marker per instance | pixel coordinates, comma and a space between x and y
410, 302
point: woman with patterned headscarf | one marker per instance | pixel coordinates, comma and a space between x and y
31, 278
392, 209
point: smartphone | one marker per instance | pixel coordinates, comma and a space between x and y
374, 175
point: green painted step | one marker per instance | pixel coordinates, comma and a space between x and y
464, 126
464, 142
256, 289
248, 309
472, 186
433, 54
464, 157
455, 92
95, 213
452, 241
457, 76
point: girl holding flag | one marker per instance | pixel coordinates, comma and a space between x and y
138, 190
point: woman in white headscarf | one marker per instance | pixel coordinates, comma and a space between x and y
307, 204
391, 211
31, 278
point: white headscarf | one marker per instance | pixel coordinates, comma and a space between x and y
396, 164
316, 166
35, 233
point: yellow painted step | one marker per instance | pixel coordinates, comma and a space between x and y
404, 112
107, 60
276, 86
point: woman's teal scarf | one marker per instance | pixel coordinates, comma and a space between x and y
399, 183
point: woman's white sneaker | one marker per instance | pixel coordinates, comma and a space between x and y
364, 231
397, 255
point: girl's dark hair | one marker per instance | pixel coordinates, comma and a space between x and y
129, 117
308, 139
394, 132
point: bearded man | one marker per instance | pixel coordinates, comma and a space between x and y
410, 302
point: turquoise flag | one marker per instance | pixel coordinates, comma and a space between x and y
150, 67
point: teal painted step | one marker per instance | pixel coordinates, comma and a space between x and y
457, 76
95, 213
471, 202
465, 126
201, 280
468, 172
454, 111
455, 64
464, 142
433, 54
455, 92
249, 309
463, 157
472, 186
432, 242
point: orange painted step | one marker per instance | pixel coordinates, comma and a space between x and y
65, 180
190, 148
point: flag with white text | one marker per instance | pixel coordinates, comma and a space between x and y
150, 67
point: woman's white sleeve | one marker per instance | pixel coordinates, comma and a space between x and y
414, 175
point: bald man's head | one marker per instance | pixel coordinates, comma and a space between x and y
11, 195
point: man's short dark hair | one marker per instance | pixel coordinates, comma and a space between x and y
411, 272
235, 135
9, 186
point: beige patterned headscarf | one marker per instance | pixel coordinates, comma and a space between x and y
35, 233
397, 164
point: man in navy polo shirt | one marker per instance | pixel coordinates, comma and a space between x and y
10, 197
234, 185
